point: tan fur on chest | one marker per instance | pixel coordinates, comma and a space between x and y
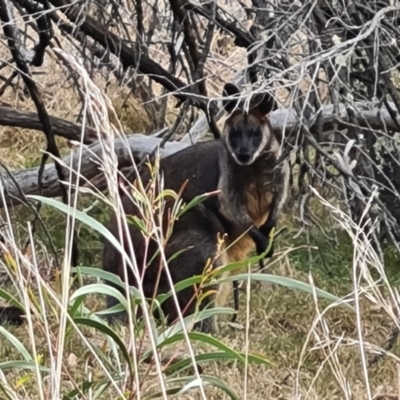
258, 204
237, 252
240, 249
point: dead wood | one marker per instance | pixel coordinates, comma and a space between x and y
10, 116
26, 180
368, 116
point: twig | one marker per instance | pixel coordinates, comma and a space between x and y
25, 201
44, 29
23, 69
122, 50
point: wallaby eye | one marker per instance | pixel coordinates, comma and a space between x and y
256, 133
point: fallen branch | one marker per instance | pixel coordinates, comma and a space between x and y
367, 116
26, 180
10, 116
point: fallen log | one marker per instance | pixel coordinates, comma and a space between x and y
27, 180
367, 115
10, 116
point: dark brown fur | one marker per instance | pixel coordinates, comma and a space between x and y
197, 231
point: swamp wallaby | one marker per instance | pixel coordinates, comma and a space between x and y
243, 166
253, 186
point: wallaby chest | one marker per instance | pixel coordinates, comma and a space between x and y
256, 185
258, 200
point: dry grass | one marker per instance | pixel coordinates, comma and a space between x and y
281, 321
280, 324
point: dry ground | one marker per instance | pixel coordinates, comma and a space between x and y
281, 328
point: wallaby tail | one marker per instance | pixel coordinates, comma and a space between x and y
11, 315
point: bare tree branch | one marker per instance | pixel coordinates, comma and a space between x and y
242, 37
121, 49
368, 116
22, 66
29, 120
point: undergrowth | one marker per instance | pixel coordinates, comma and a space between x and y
287, 343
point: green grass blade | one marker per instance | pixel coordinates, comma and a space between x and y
165, 340
208, 380
16, 343
20, 365
109, 332
87, 220
196, 201
205, 339
158, 395
289, 283
10, 299
100, 289
210, 357
192, 319
85, 386
105, 276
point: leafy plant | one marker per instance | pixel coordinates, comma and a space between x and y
180, 377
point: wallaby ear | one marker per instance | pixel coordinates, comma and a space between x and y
267, 104
230, 90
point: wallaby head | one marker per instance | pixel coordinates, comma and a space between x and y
247, 135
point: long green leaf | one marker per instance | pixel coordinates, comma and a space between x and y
196, 201
20, 365
178, 287
10, 299
181, 285
193, 382
109, 332
287, 282
87, 220
85, 386
169, 392
192, 319
16, 343
176, 329
100, 289
106, 276
205, 339
75, 306
209, 357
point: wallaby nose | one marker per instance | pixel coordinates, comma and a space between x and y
243, 157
